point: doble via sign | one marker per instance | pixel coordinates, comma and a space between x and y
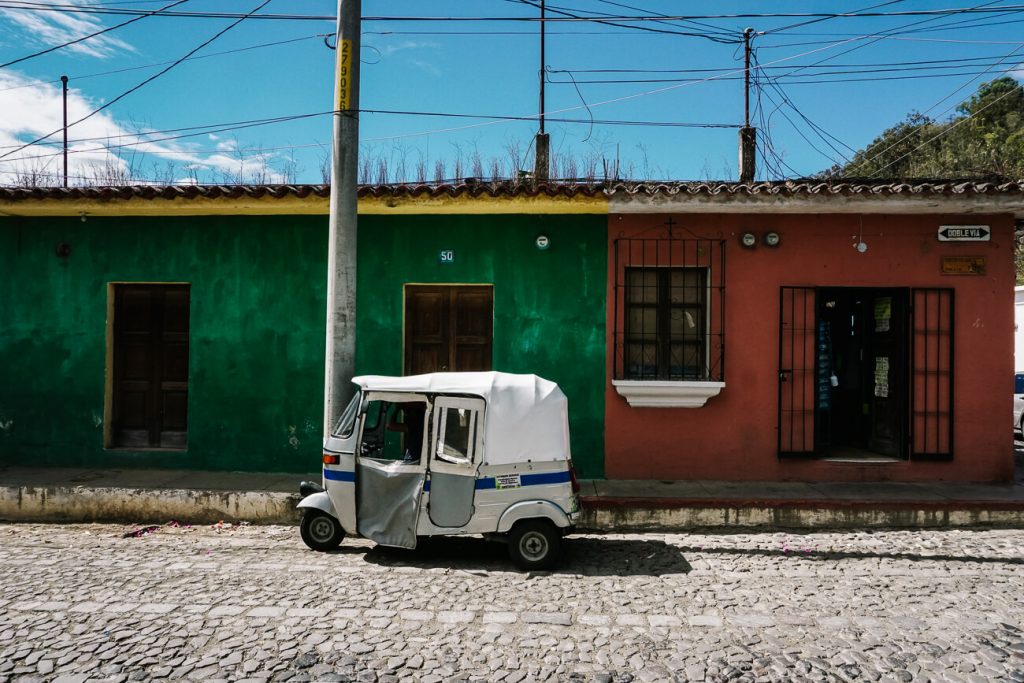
964, 233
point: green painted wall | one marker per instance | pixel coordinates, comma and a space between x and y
257, 325
257, 340
549, 306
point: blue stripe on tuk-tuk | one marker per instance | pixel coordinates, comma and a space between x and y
538, 479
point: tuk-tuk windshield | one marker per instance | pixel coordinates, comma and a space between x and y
345, 423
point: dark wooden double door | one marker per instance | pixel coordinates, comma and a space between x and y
448, 328
150, 383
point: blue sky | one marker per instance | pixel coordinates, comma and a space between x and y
810, 117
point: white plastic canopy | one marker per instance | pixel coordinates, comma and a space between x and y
526, 418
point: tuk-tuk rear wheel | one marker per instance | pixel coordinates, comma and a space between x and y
320, 531
535, 544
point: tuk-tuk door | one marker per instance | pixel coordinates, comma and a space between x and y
455, 456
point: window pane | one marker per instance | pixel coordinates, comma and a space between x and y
684, 323
457, 427
378, 441
643, 323
642, 285
687, 285
642, 359
687, 361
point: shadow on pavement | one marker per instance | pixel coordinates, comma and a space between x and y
850, 555
591, 556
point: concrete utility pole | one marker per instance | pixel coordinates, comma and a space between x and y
64, 82
341, 245
542, 144
748, 135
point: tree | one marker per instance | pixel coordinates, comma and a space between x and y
984, 140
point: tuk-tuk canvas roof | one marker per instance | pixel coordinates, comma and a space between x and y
527, 417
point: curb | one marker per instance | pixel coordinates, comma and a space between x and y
666, 514
71, 504
140, 505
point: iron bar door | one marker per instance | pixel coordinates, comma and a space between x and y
797, 363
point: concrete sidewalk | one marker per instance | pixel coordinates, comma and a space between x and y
158, 496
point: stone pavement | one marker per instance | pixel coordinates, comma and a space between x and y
97, 602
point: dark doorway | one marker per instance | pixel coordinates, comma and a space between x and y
150, 373
448, 328
861, 402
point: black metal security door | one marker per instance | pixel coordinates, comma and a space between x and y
797, 362
931, 386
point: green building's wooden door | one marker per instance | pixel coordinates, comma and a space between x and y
448, 328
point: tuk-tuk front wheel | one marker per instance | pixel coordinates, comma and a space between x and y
535, 544
320, 531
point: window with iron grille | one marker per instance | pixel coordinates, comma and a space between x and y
666, 323
669, 309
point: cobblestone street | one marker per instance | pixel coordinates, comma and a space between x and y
244, 602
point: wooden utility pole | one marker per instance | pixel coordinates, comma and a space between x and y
341, 245
542, 145
748, 135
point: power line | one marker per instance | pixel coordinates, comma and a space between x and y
152, 78
564, 13
790, 66
30, 84
91, 35
207, 129
795, 79
92, 9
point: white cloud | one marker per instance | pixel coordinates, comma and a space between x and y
46, 29
103, 150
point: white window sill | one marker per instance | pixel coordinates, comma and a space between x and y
662, 394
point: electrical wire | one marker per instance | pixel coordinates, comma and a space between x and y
30, 84
91, 35
549, 8
91, 9
152, 78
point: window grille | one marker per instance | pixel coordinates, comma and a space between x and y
669, 309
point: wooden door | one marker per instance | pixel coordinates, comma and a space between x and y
150, 391
448, 328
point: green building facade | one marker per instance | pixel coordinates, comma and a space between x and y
256, 325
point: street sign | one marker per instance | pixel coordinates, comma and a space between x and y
964, 233
963, 265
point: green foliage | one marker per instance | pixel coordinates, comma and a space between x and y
984, 140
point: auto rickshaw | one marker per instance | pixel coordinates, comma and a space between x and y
448, 454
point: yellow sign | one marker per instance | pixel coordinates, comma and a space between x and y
344, 75
963, 265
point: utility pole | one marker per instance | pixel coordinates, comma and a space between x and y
542, 145
341, 245
748, 135
64, 82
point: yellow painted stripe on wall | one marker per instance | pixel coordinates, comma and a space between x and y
292, 206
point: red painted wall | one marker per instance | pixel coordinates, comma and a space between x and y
734, 436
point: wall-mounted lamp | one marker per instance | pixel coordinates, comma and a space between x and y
771, 239
748, 240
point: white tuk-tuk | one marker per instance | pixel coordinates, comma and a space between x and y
448, 453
